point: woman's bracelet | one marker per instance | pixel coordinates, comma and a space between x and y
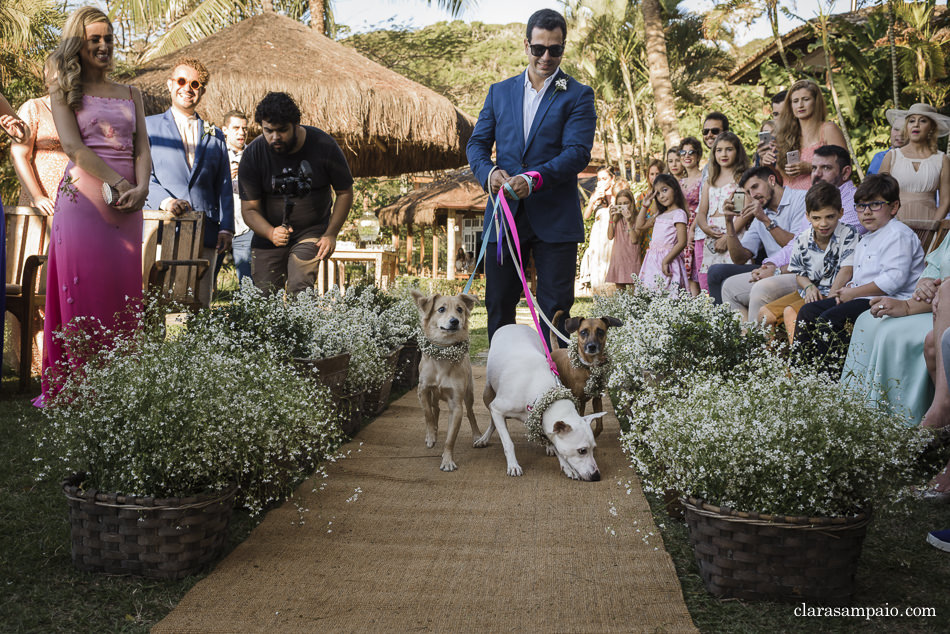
116, 184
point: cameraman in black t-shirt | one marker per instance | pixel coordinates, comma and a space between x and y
285, 179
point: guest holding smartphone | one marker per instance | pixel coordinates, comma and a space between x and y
801, 129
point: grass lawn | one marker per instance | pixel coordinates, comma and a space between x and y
42, 592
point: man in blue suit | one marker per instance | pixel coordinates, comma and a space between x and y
190, 165
541, 121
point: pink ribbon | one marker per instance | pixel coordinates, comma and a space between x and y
509, 219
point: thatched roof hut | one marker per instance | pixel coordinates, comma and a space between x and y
385, 123
455, 191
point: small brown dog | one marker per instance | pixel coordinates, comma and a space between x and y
445, 371
591, 353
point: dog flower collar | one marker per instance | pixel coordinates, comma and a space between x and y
534, 424
454, 352
597, 381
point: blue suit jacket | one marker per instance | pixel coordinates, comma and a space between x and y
558, 147
207, 185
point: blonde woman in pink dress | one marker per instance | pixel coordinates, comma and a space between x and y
663, 265
95, 256
802, 128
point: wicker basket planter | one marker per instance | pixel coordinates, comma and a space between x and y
331, 371
775, 558
160, 538
377, 400
407, 367
353, 407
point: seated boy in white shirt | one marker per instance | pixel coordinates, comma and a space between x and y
888, 260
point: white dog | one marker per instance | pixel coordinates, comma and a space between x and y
517, 376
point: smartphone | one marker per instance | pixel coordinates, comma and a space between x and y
792, 157
765, 137
738, 200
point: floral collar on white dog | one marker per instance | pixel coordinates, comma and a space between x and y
534, 423
597, 381
454, 352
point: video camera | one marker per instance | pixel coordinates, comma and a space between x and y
293, 184
290, 185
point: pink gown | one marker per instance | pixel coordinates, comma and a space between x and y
95, 254
625, 256
664, 239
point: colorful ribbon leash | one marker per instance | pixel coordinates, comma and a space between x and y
503, 228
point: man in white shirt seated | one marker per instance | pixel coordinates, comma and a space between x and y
887, 261
778, 213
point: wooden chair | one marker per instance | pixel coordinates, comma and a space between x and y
926, 230
28, 236
173, 267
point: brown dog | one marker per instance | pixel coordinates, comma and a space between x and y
592, 353
445, 371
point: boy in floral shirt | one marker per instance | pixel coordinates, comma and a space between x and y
823, 256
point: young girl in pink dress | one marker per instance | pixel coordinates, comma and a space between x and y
663, 265
625, 254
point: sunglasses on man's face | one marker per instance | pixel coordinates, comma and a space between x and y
687, 152
714, 131
195, 84
538, 50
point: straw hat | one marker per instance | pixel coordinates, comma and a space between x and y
897, 117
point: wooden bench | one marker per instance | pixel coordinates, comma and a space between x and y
28, 236
173, 267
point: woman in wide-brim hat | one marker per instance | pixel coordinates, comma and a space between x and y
921, 170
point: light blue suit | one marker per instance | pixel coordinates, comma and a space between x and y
206, 186
549, 221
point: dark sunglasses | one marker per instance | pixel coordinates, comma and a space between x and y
687, 152
538, 50
195, 84
708, 131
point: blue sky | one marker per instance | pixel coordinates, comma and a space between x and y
363, 15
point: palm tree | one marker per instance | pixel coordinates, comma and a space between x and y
922, 51
659, 68
183, 21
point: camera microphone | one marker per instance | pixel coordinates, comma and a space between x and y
306, 172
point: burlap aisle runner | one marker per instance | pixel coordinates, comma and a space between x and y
392, 544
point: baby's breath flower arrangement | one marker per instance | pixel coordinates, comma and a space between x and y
784, 442
669, 336
174, 416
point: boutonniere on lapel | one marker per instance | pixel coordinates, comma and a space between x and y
208, 129
560, 85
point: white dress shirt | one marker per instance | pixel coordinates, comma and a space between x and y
188, 128
788, 215
240, 227
891, 257
532, 100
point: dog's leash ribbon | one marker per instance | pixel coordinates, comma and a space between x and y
508, 221
534, 180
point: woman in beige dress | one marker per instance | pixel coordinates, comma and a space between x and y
39, 160
919, 168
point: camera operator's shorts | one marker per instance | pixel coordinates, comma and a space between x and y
294, 265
